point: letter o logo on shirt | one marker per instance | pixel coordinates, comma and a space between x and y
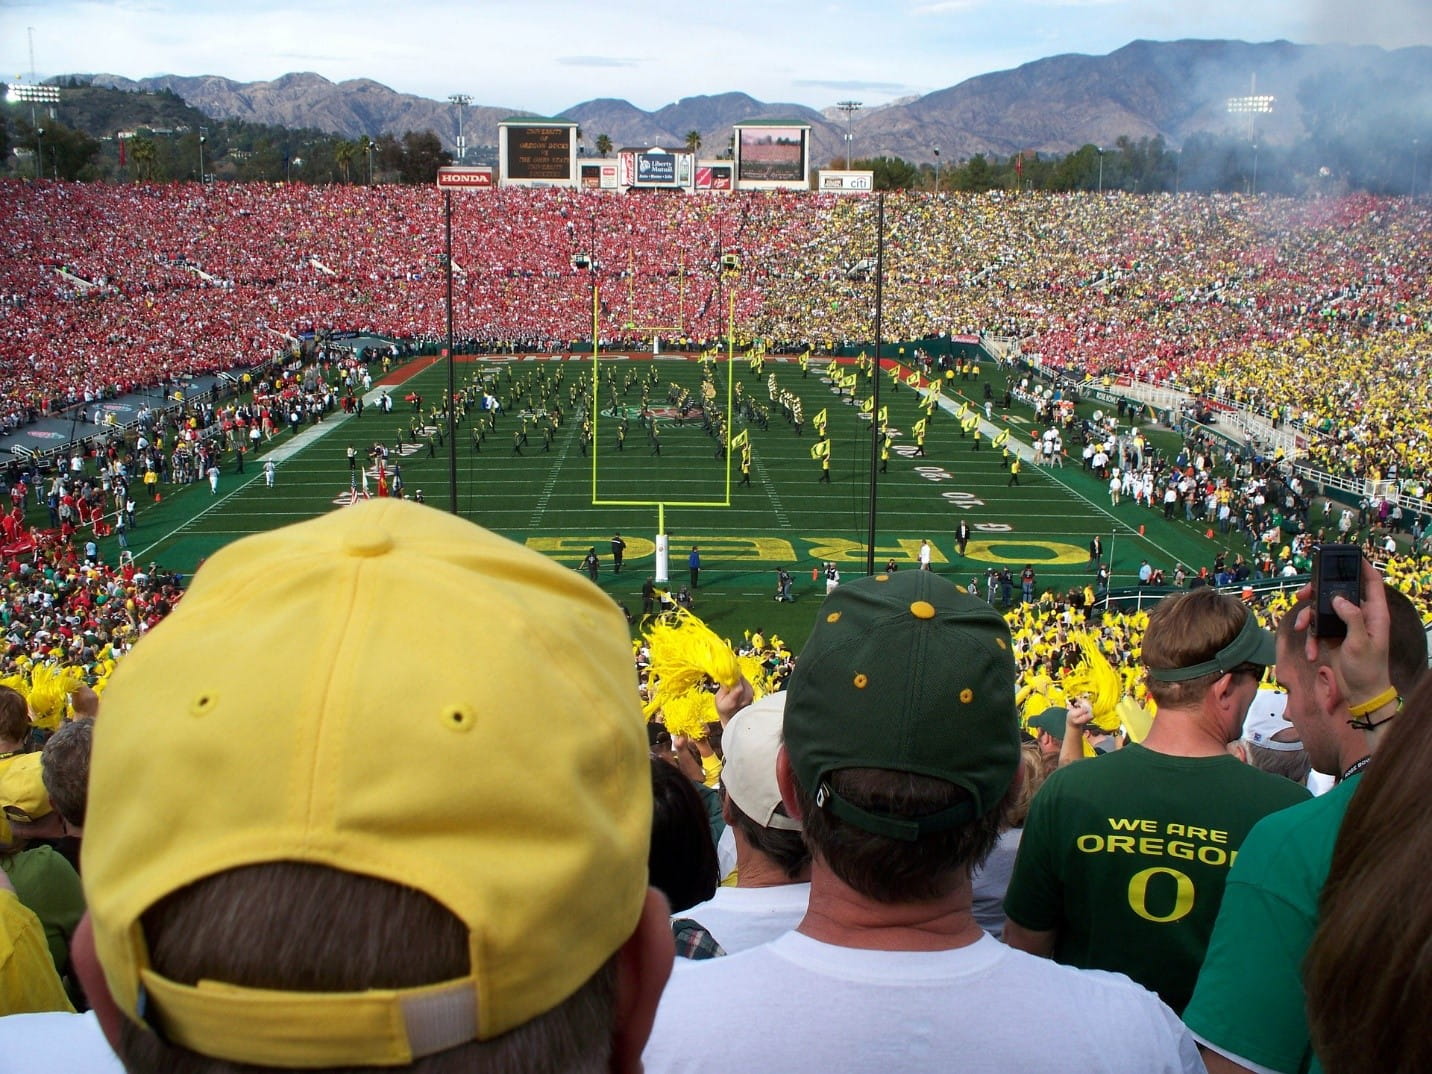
1139, 890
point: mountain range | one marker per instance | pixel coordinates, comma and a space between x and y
1173, 89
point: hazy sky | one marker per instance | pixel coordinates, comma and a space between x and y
546, 55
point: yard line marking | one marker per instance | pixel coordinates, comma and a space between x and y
545, 497
770, 488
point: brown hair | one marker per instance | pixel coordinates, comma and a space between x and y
307, 928
893, 870
1406, 640
784, 847
14, 715
1368, 974
64, 767
1187, 629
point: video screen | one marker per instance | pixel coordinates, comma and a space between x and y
656, 168
772, 154
539, 152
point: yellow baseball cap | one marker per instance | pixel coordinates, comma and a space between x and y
321, 640
23, 797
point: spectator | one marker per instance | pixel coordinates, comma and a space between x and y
65, 770
901, 747
323, 886
772, 862
1368, 957
1248, 1008
681, 863
1124, 857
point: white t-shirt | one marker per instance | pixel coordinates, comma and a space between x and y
796, 1005
741, 918
72, 1043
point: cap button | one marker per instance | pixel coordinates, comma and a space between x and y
922, 609
369, 544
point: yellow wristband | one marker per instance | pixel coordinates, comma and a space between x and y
1374, 703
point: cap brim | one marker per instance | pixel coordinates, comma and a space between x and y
1266, 652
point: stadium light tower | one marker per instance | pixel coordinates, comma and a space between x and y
849, 108
937, 169
462, 100
33, 95
1252, 106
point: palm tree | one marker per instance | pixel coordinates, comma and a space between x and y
604, 145
693, 142
367, 145
344, 153
146, 158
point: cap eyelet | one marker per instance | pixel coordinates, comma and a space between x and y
966, 695
457, 718
832, 617
202, 705
861, 681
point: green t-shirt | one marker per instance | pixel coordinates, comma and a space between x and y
1249, 1001
1125, 856
48, 884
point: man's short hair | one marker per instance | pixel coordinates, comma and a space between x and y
891, 870
1195, 629
1290, 764
64, 767
1406, 638
322, 930
784, 847
264, 723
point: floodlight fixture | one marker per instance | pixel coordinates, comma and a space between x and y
462, 100
33, 94
1261, 102
849, 108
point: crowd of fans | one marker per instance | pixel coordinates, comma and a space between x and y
1311, 311
1314, 312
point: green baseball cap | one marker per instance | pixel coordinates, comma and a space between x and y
1051, 721
909, 673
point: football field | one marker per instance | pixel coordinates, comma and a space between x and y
639, 474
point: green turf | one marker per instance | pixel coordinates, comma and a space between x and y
545, 499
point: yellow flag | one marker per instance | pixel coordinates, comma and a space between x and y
913, 380
741, 438
921, 426
867, 406
820, 449
820, 419
884, 414
1001, 439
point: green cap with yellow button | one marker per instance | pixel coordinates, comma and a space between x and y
905, 672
